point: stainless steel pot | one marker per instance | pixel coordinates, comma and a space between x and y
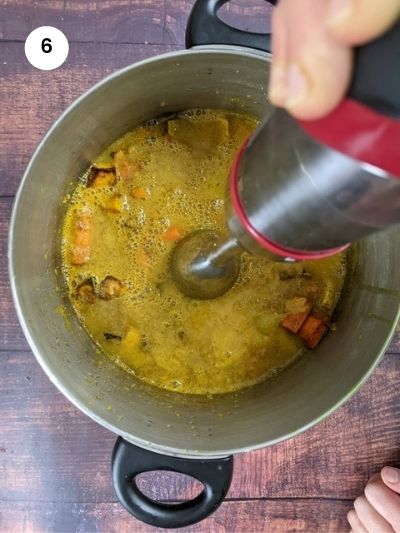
181, 426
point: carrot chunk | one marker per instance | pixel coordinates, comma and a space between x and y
139, 194
173, 233
312, 331
293, 322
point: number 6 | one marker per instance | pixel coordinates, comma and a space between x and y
46, 46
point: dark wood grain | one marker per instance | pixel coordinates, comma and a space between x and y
11, 336
124, 21
128, 21
254, 516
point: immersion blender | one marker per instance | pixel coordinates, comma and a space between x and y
304, 190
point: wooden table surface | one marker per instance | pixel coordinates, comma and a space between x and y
55, 461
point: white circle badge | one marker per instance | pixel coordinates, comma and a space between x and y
46, 48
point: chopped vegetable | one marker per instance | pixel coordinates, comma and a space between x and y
101, 177
312, 331
297, 305
125, 167
112, 337
132, 338
139, 193
111, 288
298, 309
201, 134
86, 291
293, 322
143, 258
116, 204
131, 344
81, 237
173, 233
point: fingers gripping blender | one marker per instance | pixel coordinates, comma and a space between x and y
302, 190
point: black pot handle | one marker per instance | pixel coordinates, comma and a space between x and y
204, 27
129, 460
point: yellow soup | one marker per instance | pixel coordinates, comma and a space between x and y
156, 184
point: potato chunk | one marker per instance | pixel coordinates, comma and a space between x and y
202, 135
101, 177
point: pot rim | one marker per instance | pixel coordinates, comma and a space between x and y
172, 451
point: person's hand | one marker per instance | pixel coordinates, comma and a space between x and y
378, 510
312, 42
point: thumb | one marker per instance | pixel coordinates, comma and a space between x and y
310, 69
391, 478
357, 21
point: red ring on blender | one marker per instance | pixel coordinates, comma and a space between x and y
359, 132
275, 248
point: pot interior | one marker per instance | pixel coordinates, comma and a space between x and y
219, 77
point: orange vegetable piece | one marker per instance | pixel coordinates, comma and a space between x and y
139, 193
81, 237
293, 322
299, 304
143, 258
125, 168
173, 233
312, 331
323, 316
115, 204
298, 308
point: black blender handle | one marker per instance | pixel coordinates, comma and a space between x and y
129, 460
376, 75
204, 27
